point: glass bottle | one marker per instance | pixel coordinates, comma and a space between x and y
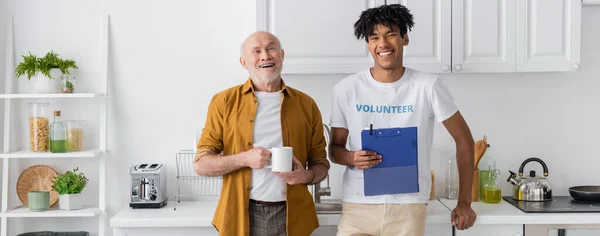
492, 191
486, 161
58, 135
452, 175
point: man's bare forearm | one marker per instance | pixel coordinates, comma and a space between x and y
465, 154
320, 172
340, 155
217, 165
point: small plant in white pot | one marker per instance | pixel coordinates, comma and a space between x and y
69, 186
44, 72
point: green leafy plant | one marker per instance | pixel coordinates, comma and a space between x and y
29, 66
70, 182
32, 64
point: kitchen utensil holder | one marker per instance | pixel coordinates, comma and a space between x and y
190, 184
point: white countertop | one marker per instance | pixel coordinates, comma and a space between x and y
200, 214
505, 213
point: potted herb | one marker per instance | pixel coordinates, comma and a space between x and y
69, 186
44, 71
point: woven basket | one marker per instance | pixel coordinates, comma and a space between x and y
37, 178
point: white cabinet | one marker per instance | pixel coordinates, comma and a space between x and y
549, 35
491, 230
430, 42
430, 230
325, 230
317, 36
562, 229
483, 36
438, 230
449, 36
515, 35
159, 231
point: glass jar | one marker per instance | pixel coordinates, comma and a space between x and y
452, 177
74, 135
492, 191
486, 161
67, 83
39, 127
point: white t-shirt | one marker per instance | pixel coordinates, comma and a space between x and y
266, 186
413, 101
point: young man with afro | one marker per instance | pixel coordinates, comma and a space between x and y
390, 95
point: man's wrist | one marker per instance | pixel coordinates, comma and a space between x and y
241, 160
311, 180
350, 159
462, 203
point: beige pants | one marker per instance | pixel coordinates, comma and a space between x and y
382, 219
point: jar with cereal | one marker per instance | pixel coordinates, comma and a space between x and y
74, 135
39, 127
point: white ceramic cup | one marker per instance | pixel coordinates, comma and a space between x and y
281, 159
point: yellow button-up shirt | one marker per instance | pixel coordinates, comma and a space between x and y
228, 129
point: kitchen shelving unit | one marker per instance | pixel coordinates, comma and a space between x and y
9, 154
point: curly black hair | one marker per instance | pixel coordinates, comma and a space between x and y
388, 15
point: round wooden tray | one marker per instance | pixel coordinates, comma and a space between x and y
37, 178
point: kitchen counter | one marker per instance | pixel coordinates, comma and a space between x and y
188, 214
505, 213
200, 214
194, 218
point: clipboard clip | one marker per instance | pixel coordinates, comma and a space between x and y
371, 130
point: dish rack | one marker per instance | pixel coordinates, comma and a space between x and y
190, 184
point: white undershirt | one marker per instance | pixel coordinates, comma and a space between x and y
266, 186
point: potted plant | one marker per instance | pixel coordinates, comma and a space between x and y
69, 186
44, 71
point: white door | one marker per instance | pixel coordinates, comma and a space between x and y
483, 36
438, 230
549, 35
430, 46
491, 230
317, 36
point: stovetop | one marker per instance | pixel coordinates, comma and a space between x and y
559, 204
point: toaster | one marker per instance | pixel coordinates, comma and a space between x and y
148, 186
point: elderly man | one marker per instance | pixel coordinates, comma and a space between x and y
243, 122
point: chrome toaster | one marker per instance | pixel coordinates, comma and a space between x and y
148, 186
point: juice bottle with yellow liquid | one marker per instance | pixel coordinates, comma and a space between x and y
492, 191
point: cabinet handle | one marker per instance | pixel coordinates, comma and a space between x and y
458, 67
576, 66
446, 68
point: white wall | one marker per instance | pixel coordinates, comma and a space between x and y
168, 60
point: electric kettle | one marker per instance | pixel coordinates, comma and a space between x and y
531, 188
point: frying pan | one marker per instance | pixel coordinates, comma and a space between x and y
587, 193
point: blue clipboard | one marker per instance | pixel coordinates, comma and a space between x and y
398, 171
